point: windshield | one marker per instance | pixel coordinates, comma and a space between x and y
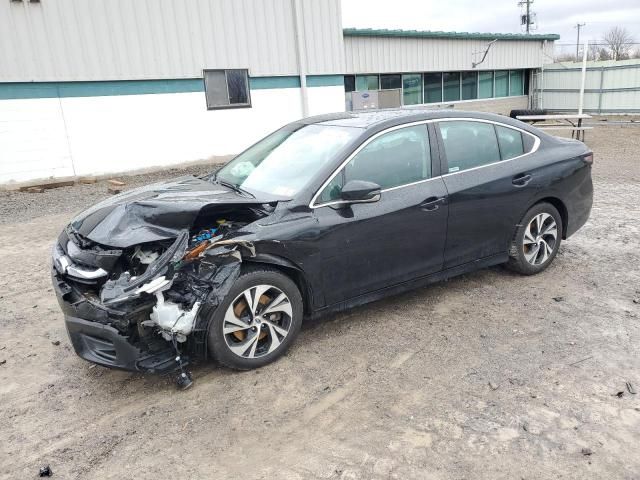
284, 162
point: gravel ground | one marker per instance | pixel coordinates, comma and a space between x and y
489, 375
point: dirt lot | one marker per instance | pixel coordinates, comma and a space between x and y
490, 375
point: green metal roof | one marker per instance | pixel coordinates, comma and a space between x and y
383, 32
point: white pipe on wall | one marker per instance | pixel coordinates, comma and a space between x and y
298, 26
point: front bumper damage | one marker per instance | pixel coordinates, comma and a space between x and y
90, 327
105, 346
156, 322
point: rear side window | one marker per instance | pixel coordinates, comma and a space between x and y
469, 144
510, 141
393, 159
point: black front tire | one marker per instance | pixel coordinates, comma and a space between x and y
517, 259
250, 278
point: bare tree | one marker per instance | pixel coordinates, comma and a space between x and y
565, 57
619, 41
593, 53
604, 54
598, 53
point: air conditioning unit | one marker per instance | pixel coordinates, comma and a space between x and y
365, 100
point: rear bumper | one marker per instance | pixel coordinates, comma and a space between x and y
579, 203
95, 340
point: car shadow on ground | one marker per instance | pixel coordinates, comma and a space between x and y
326, 326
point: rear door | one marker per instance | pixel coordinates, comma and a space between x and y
370, 246
488, 184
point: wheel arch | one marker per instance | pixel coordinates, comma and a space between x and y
562, 210
291, 270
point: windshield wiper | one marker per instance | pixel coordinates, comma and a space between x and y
234, 187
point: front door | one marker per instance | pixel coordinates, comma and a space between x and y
370, 246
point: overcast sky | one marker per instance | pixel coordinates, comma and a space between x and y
553, 16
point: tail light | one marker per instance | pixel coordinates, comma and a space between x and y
588, 158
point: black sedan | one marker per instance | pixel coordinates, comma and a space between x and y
324, 214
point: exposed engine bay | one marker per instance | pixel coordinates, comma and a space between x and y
157, 295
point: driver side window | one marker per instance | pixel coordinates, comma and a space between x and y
393, 159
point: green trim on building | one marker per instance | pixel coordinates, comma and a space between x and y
263, 83
325, 80
98, 89
383, 32
24, 90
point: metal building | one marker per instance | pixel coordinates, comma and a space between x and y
89, 87
444, 68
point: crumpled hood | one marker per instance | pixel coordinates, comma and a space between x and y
155, 212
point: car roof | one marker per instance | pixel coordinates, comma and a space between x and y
375, 119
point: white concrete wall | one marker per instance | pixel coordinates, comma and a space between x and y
48, 138
325, 99
33, 140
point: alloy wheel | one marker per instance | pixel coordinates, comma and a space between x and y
257, 321
540, 239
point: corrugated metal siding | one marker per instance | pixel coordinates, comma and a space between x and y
323, 41
561, 79
71, 40
620, 82
391, 54
621, 101
622, 78
569, 101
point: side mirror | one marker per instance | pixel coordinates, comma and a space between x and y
360, 191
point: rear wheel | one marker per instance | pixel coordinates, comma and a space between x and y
536, 240
257, 321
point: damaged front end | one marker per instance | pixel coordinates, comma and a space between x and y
146, 307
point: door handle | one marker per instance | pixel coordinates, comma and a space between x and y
432, 203
521, 179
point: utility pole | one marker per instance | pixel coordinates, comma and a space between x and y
578, 26
526, 18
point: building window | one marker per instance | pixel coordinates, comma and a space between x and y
432, 87
440, 87
366, 82
412, 89
516, 83
451, 86
485, 84
349, 83
469, 85
388, 82
502, 83
226, 88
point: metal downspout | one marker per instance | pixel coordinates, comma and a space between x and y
298, 28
